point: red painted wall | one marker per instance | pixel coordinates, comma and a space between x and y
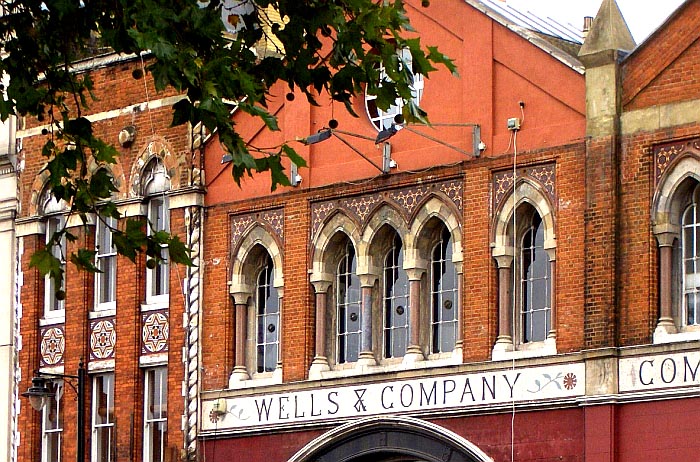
538, 436
497, 68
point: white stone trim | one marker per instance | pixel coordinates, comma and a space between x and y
660, 117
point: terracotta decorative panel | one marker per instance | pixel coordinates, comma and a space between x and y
155, 332
272, 219
405, 200
53, 345
544, 175
665, 154
103, 339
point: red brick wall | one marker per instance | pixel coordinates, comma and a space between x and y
661, 70
115, 89
479, 298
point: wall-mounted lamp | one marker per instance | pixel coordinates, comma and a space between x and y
38, 394
387, 133
321, 135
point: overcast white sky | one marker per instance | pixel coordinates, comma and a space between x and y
642, 16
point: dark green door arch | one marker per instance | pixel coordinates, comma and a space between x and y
390, 439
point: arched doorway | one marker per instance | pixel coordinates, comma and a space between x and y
390, 439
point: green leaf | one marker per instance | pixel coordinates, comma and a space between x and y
85, 259
178, 251
47, 264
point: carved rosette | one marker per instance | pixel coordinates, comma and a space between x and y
544, 175
406, 200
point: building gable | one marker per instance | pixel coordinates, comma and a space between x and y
664, 67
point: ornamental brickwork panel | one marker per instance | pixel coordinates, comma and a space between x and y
273, 220
406, 200
544, 175
155, 332
666, 154
52, 346
103, 339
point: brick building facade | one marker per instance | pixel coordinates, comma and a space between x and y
515, 282
548, 250
116, 323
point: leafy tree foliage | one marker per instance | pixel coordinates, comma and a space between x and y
211, 53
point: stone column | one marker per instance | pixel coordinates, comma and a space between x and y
366, 357
504, 341
320, 362
240, 371
414, 352
666, 325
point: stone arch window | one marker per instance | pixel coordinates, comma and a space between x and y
54, 213
343, 298
257, 288
267, 309
434, 245
524, 249
396, 301
155, 185
407, 306
444, 296
676, 226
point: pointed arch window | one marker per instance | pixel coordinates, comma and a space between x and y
267, 318
349, 324
535, 283
444, 293
396, 301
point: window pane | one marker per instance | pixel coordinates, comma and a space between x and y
348, 309
444, 295
103, 418
534, 284
158, 218
267, 325
52, 422
58, 250
106, 261
156, 414
691, 257
396, 302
